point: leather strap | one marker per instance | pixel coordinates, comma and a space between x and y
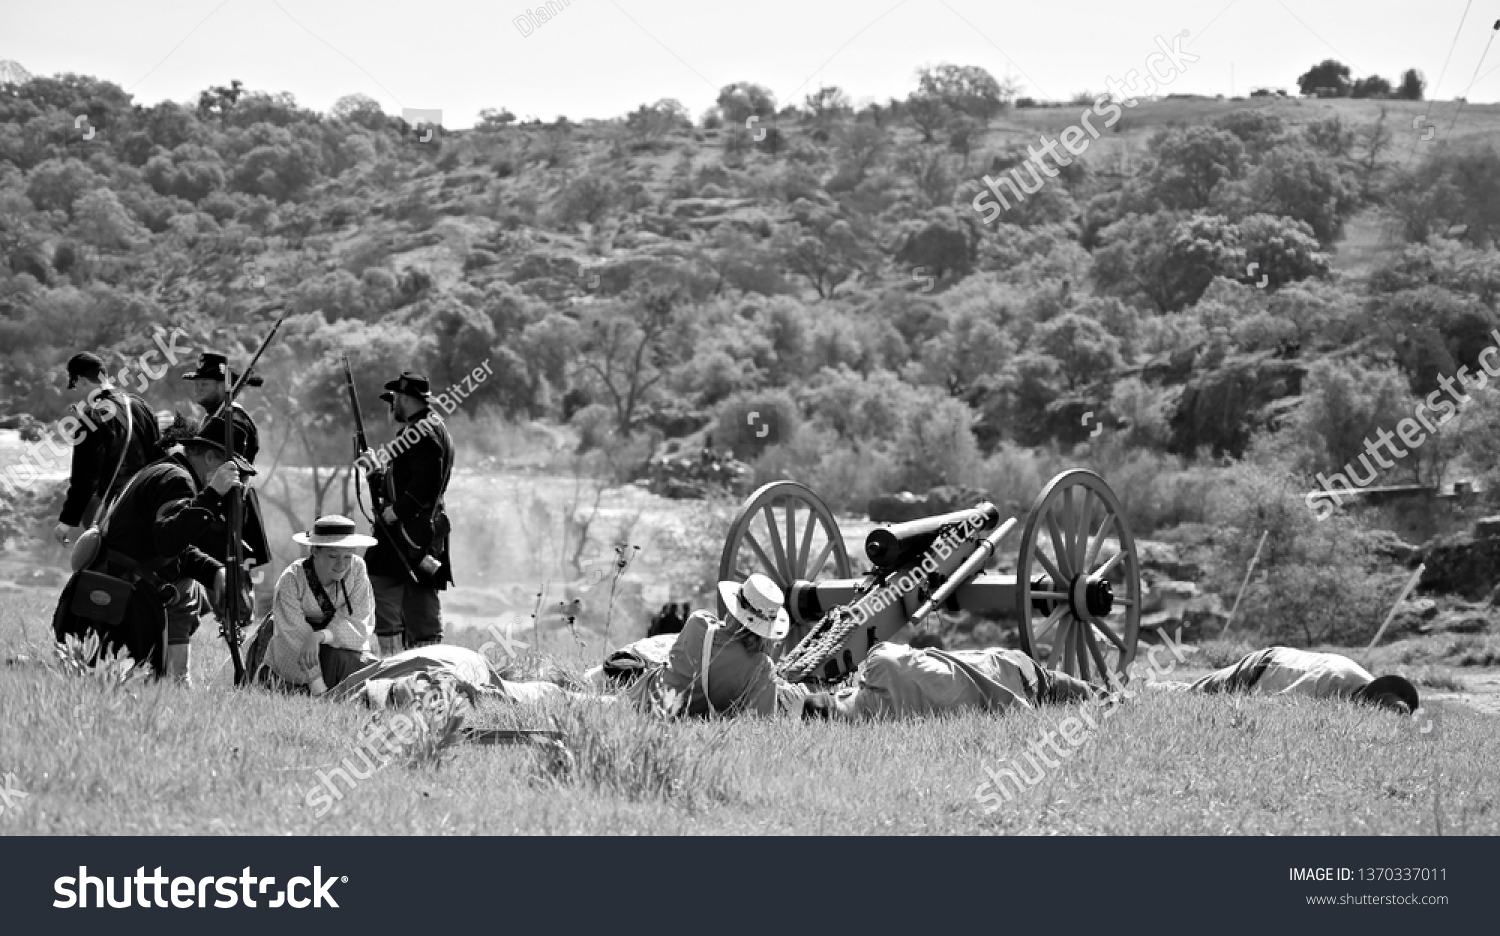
145, 571
320, 594
124, 449
708, 646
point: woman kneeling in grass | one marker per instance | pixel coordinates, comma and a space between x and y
323, 611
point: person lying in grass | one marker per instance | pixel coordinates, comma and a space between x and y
321, 617
739, 677
896, 680
1286, 671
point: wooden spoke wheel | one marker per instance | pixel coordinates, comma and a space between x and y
784, 531
1078, 579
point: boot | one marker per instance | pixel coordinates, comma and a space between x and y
389, 645
177, 662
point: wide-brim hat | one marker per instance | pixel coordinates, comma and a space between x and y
333, 530
212, 433
211, 366
1398, 686
408, 383
757, 604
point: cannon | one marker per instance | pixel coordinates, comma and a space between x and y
1075, 591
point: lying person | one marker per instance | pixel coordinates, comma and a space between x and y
322, 613
1285, 671
896, 680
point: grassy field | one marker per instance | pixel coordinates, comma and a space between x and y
149, 758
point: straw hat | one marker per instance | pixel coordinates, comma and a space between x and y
757, 603
333, 530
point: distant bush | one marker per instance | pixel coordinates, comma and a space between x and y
1320, 584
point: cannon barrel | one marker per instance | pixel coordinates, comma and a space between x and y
970, 568
900, 543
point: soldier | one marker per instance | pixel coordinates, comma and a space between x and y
409, 563
1287, 671
146, 545
116, 436
208, 392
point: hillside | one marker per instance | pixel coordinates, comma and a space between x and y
1212, 304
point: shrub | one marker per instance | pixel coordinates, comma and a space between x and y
1320, 585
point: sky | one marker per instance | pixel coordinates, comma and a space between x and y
603, 58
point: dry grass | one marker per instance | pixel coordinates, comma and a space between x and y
98, 757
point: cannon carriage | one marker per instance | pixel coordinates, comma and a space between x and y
1074, 593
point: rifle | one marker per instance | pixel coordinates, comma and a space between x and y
377, 498
237, 616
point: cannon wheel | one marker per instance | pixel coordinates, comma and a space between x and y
784, 531
1077, 537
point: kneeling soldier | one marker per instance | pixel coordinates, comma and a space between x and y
146, 586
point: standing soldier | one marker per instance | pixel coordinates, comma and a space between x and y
208, 392
116, 436
409, 562
146, 580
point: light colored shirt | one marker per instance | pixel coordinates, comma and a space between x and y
295, 604
896, 680
1287, 671
738, 680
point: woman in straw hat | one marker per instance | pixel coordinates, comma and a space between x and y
323, 610
722, 667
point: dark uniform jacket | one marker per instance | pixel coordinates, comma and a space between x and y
155, 523
98, 451
418, 478
245, 425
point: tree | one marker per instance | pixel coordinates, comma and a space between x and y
1343, 403
859, 148
1372, 86
742, 99
1412, 85
827, 105
1299, 182
1326, 74
1454, 187
218, 101
1332, 136
1167, 258
101, 221
625, 350
1284, 249
1190, 163
826, 256
491, 119
650, 123
945, 243
965, 89
1259, 130
359, 109
1085, 351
